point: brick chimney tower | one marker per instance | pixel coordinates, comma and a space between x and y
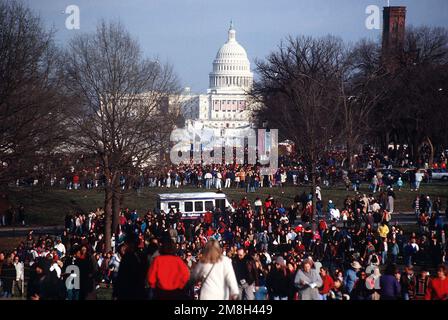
394, 24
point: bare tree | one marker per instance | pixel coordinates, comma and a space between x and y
299, 88
413, 109
362, 88
427, 45
30, 117
117, 103
404, 106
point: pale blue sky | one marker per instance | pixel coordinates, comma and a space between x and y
188, 33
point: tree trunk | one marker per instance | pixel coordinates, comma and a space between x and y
349, 154
416, 152
431, 156
116, 204
313, 192
111, 178
108, 214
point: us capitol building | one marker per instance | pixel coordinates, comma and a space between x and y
226, 109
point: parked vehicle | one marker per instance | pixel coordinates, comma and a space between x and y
193, 205
439, 174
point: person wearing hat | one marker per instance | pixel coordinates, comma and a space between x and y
278, 281
351, 275
308, 282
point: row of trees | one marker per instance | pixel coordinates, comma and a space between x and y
30, 102
317, 89
98, 96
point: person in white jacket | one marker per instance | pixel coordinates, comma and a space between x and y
418, 179
218, 180
20, 275
216, 274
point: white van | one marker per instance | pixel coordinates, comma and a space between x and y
193, 205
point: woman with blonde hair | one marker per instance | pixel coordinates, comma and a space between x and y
216, 274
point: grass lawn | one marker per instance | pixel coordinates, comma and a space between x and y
49, 207
10, 243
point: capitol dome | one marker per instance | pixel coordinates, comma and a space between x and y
231, 67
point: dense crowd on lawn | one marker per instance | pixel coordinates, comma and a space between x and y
293, 170
262, 250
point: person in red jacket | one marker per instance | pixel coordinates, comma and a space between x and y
438, 287
208, 218
75, 182
268, 202
322, 227
210, 232
299, 229
327, 283
168, 274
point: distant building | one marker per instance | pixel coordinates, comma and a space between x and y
226, 108
394, 32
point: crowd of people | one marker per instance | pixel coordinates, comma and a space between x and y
81, 172
261, 250
369, 168
308, 249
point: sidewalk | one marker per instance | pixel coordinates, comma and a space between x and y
12, 231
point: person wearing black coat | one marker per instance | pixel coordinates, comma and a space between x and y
44, 284
278, 281
8, 276
87, 269
246, 274
130, 282
318, 250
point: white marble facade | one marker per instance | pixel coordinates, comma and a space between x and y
226, 107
